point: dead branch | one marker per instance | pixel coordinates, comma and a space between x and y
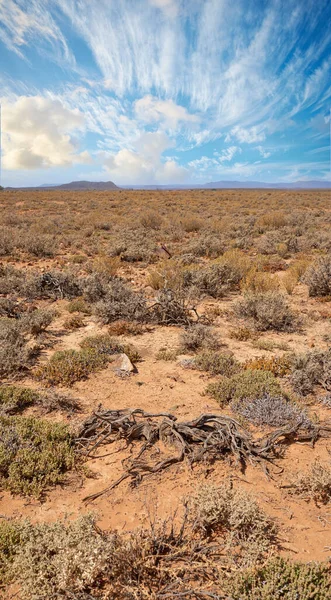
210, 437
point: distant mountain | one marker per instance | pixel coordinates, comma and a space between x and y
83, 185
260, 184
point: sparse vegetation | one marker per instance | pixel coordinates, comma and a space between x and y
269, 310
197, 337
246, 385
275, 411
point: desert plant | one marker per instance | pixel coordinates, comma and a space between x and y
235, 514
267, 311
277, 365
37, 321
199, 336
259, 282
15, 356
244, 385
79, 305
315, 483
242, 334
122, 327
275, 411
68, 366
15, 399
167, 354
73, 322
309, 370
318, 277
216, 363
34, 454
281, 578
121, 302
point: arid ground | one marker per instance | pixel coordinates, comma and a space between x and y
221, 301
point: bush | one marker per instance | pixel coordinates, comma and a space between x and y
15, 399
37, 321
268, 311
315, 483
10, 539
244, 385
235, 514
216, 363
167, 354
309, 370
79, 305
120, 302
73, 322
318, 277
242, 334
280, 578
122, 327
54, 284
68, 366
34, 454
277, 365
199, 336
15, 356
274, 411
257, 282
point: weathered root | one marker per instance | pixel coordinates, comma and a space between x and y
210, 437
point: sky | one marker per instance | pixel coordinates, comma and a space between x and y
165, 91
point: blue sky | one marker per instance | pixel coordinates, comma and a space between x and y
165, 91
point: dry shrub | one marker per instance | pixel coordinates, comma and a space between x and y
270, 345
151, 220
242, 334
274, 411
272, 220
122, 327
171, 308
79, 305
216, 363
121, 302
315, 483
191, 224
168, 274
318, 277
309, 370
206, 245
259, 282
167, 354
244, 385
38, 245
105, 265
234, 514
199, 336
15, 356
34, 454
37, 321
73, 322
269, 310
281, 578
277, 365
54, 284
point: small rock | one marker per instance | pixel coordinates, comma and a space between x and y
123, 365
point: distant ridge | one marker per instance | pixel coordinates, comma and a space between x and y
109, 185
84, 185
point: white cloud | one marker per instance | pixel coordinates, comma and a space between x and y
36, 134
228, 153
154, 110
264, 153
144, 164
246, 136
170, 7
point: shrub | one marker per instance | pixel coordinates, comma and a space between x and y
79, 305
216, 363
257, 282
191, 224
15, 399
106, 265
271, 220
318, 277
10, 539
315, 483
53, 284
199, 336
274, 411
280, 578
268, 311
38, 245
68, 366
244, 385
242, 334
235, 514
34, 454
309, 370
151, 220
120, 302
277, 365
15, 356
167, 354
103, 344
73, 322
122, 327
171, 308
37, 321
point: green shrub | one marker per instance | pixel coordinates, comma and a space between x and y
216, 363
244, 385
280, 578
34, 454
79, 305
10, 539
104, 344
67, 366
15, 399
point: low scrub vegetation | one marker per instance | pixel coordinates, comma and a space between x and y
197, 337
34, 454
244, 385
216, 363
318, 277
274, 411
269, 310
315, 483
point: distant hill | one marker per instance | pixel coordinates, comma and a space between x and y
83, 185
297, 185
